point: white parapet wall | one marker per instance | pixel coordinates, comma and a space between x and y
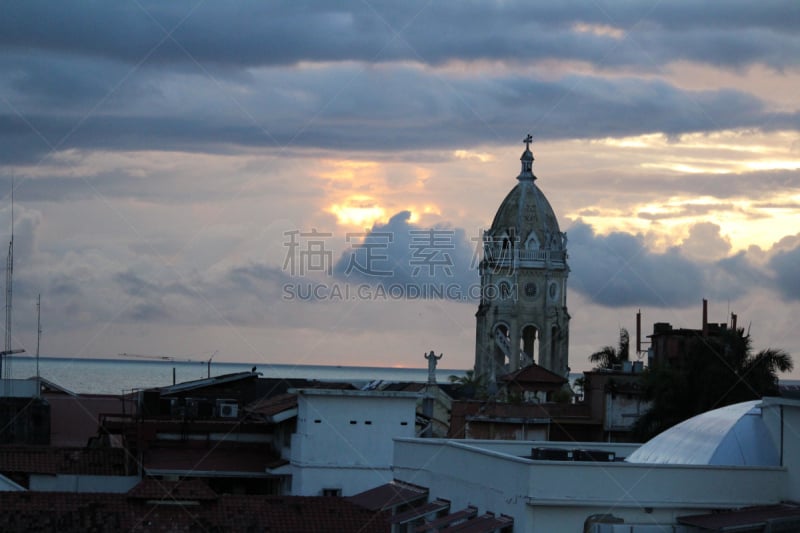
560, 496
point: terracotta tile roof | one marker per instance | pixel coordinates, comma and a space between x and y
241, 459
155, 489
80, 512
446, 520
487, 523
534, 374
421, 511
389, 495
52, 460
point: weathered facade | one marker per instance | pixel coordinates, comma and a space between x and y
522, 317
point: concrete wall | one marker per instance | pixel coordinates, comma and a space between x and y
19, 388
559, 496
782, 418
344, 439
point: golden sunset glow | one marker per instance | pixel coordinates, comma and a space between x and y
347, 170
483, 157
729, 151
358, 210
668, 223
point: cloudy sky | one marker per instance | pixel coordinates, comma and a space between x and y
258, 177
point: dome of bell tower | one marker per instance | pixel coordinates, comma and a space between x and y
525, 216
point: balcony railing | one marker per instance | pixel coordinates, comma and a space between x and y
527, 257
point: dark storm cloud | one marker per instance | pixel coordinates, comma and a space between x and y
350, 108
412, 258
106, 75
785, 266
265, 33
618, 270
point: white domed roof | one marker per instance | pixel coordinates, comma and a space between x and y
731, 435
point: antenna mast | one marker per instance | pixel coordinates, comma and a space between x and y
6, 371
38, 331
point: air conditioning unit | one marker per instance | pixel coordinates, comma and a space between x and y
228, 410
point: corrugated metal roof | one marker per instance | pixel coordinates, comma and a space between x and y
207, 382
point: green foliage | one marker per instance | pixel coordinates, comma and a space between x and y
608, 356
471, 385
713, 372
562, 396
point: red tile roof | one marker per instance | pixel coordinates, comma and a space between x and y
80, 512
446, 520
421, 511
389, 495
156, 489
241, 459
52, 460
487, 523
534, 374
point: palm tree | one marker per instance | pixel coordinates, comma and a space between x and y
608, 356
711, 373
470, 383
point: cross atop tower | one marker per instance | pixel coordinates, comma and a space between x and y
527, 161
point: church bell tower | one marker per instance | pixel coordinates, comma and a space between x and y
522, 318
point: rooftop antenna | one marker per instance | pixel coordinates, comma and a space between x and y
38, 332
6, 370
209, 362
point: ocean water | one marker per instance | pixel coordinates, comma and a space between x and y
115, 376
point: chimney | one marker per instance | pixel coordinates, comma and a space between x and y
705, 317
733, 321
638, 332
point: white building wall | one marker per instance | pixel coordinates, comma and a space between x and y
344, 439
558, 496
782, 418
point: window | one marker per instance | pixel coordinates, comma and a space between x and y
331, 492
